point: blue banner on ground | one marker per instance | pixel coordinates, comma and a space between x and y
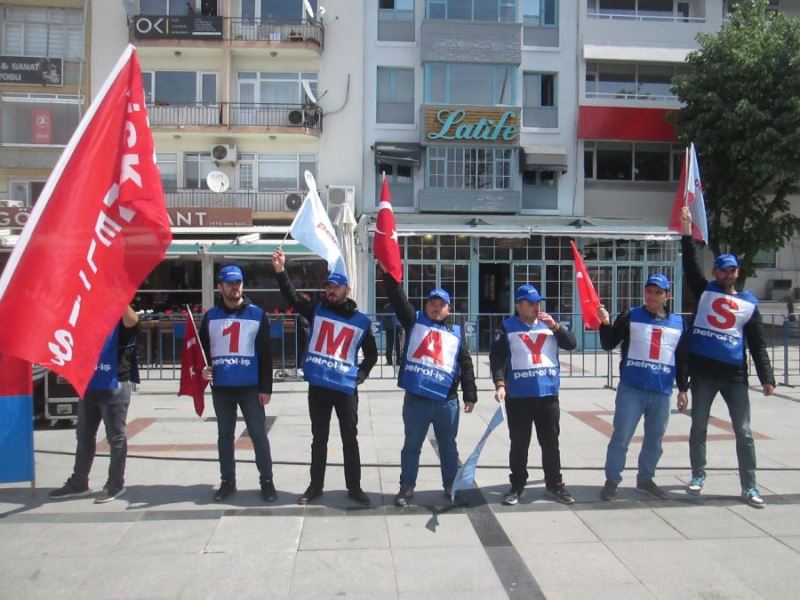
16, 439
465, 477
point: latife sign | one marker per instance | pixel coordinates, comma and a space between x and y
31, 70
492, 125
210, 217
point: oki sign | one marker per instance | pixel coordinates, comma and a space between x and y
475, 125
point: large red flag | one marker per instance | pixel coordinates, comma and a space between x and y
387, 250
192, 362
98, 229
690, 193
586, 292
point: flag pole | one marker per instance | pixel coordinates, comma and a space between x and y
196, 334
686, 183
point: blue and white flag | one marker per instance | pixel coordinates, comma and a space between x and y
312, 228
465, 477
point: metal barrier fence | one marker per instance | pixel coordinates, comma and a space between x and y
161, 342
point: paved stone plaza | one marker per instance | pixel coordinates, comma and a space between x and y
166, 538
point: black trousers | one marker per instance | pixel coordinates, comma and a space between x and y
394, 342
321, 403
523, 414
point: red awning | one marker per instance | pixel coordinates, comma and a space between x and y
625, 124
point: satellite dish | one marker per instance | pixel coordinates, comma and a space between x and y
321, 11
218, 182
309, 10
311, 183
309, 93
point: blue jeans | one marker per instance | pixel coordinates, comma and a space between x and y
110, 407
225, 403
735, 394
631, 404
418, 415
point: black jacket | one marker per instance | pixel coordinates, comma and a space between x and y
346, 310
499, 353
753, 330
408, 316
263, 349
620, 331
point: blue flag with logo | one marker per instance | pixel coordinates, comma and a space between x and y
465, 477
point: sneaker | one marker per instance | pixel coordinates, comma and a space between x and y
609, 490
225, 490
404, 495
696, 484
359, 496
310, 494
268, 492
109, 494
753, 497
560, 494
650, 487
70, 490
512, 497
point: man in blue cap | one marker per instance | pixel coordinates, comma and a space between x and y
338, 330
725, 322
235, 337
654, 351
525, 369
435, 359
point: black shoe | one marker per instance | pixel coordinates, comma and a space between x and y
651, 488
609, 490
70, 490
110, 493
225, 490
359, 496
404, 495
268, 492
310, 494
560, 494
512, 497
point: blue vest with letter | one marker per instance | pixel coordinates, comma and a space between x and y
106, 375
232, 337
332, 356
533, 368
650, 360
430, 361
718, 330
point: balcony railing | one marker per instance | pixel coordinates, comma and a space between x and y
254, 30
276, 201
635, 15
239, 114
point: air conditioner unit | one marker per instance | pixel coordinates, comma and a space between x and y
224, 153
11, 203
341, 194
297, 117
293, 201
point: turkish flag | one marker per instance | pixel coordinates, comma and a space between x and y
387, 250
192, 362
690, 193
98, 229
586, 292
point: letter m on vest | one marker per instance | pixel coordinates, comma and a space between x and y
332, 342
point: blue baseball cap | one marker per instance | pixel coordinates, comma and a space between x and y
659, 280
726, 261
439, 293
336, 279
528, 293
229, 274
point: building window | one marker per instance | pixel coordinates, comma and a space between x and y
766, 259
540, 13
504, 11
627, 161
26, 192
672, 10
31, 119
168, 167
179, 87
729, 7
539, 108
539, 190
51, 32
275, 172
631, 81
395, 95
396, 20
196, 167
286, 11
470, 84
276, 88
469, 168
175, 8
401, 183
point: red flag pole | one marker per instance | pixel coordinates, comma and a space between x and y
197, 334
